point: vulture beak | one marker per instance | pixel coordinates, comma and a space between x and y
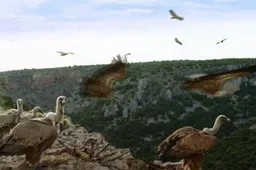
228, 120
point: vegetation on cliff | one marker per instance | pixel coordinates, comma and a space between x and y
153, 105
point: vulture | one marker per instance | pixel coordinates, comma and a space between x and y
31, 114
189, 144
177, 41
101, 82
64, 53
213, 84
221, 41
175, 16
34, 136
10, 118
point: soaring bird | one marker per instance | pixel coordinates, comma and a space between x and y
101, 82
64, 53
34, 136
189, 144
177, 41
213, 84
175, 16
10, 118
221, 41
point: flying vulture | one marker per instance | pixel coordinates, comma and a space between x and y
189, 144
101, 82
175, 16
221, 41
10, 118
34, 136
213, 84
177, 41
64, 53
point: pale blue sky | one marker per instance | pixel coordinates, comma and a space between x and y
95, 30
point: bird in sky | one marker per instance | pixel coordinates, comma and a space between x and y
178, 41
64, 53
221, 41
175, 16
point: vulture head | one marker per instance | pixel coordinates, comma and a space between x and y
62, 100
19, 102
220, 120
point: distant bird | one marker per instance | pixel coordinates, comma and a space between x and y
10, 118
34, 136
175, 16
177, 41
213, 84
189, 144
64, 53
221, 41
101, 82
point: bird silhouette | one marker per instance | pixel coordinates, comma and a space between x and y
221, 41
178, 41
175, 16
64, 53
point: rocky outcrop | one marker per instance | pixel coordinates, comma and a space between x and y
75, 148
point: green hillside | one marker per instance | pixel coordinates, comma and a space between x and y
153, 105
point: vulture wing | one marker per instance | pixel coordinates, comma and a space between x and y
196, 143
114, 71
25, 137
166, 147
172, 13
101, 81
213, 82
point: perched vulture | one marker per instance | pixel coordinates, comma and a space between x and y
175, 16
34, 136
10, 118
177, 41
189, 144
221, 41
64, 53
101, 82
213, 84
31, 114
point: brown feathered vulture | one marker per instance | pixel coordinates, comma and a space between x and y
212, 84
101, 82
189, 144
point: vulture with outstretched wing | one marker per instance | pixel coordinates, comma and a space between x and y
175, 16
189, 144
101, 82
212, 84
